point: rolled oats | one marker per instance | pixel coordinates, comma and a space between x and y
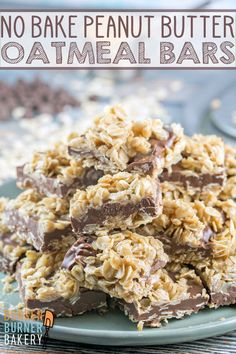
119, 263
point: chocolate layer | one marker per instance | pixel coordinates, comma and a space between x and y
174, 249
196, 181
96, 217
87, 300
164, 311
225, 297
32, 229
53, 186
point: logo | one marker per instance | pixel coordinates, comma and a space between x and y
26, 327
48, 323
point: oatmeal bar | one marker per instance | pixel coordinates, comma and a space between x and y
118, 263
219, 277
123, 200
54, 172
114, 143
12, 249
41, 221
44, 286
177, 291
201, 168
191, 231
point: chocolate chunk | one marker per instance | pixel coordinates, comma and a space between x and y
143, 164
157, 314
80, 249
36, 97
202, 167
122, 264
41, 221
113, 143
186, 251
147, 164
128, 200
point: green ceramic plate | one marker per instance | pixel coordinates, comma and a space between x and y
115, 329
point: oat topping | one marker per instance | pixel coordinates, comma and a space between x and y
121, 265
55, 163
119, 188
203, 154
45, 280
113, 141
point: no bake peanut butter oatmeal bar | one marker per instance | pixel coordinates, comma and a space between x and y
121, 264
12, 247
128, 214
114, 143
41, 221
191, 231
45, 286
176, 291
201, 168
53, 172
122, 200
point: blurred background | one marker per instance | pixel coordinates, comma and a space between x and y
39, 107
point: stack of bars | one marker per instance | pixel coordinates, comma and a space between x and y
129, 214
